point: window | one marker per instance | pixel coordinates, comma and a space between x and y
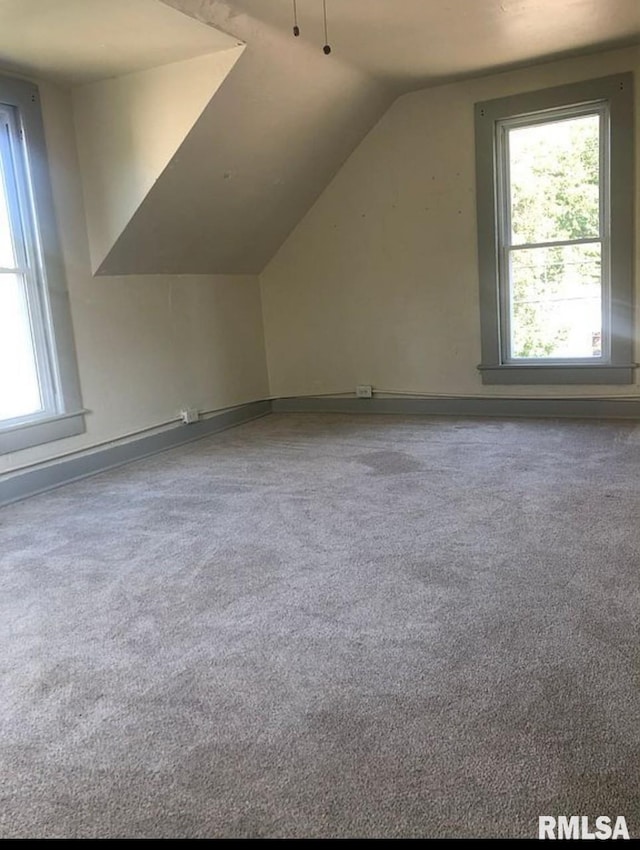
39, 390
554, 172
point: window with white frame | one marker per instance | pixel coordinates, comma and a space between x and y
39, 390
555, 230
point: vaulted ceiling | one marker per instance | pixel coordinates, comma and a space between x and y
265, 146
414, 43
263, 129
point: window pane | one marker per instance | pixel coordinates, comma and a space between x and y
556, 301
555, 180
19, 389
7, 258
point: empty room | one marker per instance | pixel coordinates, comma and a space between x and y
319, 419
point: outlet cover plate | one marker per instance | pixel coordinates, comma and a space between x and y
364, 391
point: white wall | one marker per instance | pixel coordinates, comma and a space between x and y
146, 345
378, 283
129, 127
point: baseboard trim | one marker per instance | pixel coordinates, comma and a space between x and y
49, 475
556, 408
57, 473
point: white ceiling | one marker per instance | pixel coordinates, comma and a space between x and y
264, 148
406, 42
417, 42
287, 116
79, 41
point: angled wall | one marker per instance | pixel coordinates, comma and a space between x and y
129, 127
276, 131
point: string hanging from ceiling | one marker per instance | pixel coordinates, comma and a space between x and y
296, 27
327, 46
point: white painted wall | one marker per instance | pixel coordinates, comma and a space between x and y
277, 130
129, 127
378, 283
146, 345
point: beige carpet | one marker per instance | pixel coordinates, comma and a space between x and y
328, 626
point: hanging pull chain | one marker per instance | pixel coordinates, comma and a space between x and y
296, 28
327, 46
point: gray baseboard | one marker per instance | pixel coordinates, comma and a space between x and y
20, 485
57, 473
573, 408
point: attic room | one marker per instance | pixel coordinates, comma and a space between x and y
319, 417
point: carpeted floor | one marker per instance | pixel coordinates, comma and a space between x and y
317, 626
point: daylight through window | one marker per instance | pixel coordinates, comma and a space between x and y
23, 379
39, 390
554, 222
555, 239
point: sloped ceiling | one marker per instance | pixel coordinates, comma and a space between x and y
128, 129
270, 140
287, 116
415, 43
74, 42
272, 132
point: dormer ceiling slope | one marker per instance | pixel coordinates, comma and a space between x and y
287, 116
206, 130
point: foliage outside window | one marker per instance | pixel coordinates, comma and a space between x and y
555, 234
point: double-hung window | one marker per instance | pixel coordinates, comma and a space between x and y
555, 231
39, 390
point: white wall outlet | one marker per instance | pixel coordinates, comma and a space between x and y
363, 391
189, 415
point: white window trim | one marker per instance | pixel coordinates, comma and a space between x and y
616, 366
63, 416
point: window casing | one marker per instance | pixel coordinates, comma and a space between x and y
602, 250
39, 389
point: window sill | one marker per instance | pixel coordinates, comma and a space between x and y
557, 374
24, 436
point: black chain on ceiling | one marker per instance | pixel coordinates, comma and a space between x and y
296, 28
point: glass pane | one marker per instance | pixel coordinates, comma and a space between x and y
556, 302
555, 180
19, 387
7, 257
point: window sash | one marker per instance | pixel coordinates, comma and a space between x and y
617, 90
13, 162
66, 418
506, 246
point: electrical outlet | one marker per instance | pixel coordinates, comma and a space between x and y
189, 415
363, 391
